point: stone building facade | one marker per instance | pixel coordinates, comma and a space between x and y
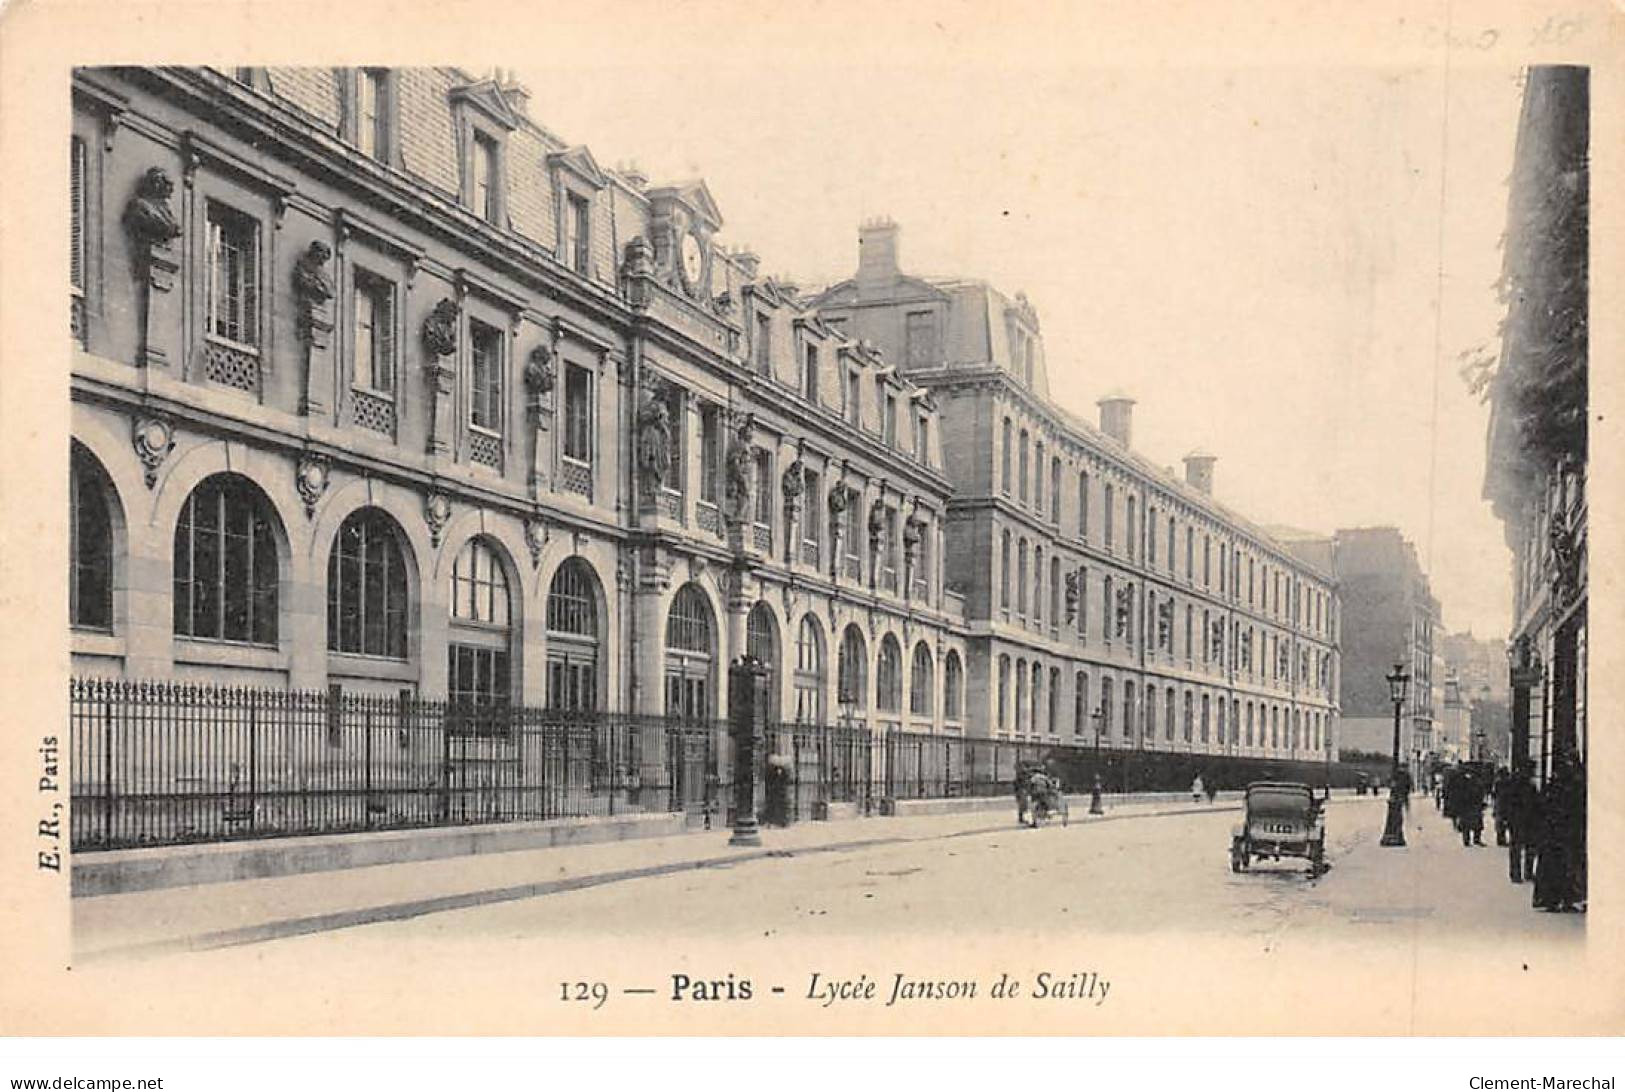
379, 384
1106, 599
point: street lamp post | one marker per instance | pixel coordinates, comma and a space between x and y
1099, 716
1393, 832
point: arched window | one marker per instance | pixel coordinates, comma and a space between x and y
1004, 461
1128, 710
762, 642
226, 570
953, 687
1249, 735
1021, 577
1021, 696
1053, 724
921, 684
1218, 721
366, 587
851, 670
1038, 585
1169, 715
1106, 706
1004, 693
479, 653
1190, 714
1080, 704
572, 637
1021, 487
1205, 711
1038, 698
1038, 477
1054, 591
690, 654
1150, 712
889, 676
1107, 506
809, 680
1004, 570
90, 544
1275, 726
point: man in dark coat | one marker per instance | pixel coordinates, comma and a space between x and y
1521, 813
1503, 785
1559, 872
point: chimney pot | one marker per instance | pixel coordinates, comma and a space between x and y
877, 252
1117, 417
1199, 471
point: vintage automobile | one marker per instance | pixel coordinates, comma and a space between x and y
1283, 819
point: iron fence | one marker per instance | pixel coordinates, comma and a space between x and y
158, 763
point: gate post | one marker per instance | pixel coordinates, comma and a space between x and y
747, 712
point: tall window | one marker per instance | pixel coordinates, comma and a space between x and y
1106, 608
225, 564
764, 345
1128, 709
485, 180
1206, 704
1171, 544
578, 430
1055, 489
90, 546
690, 651
1055, 591
1038, 585
1207, 561
1080, 703
922, 437
578, 246
372, 112
1190, 553
1021, 577
374, 305
921, 685
1150, 535
1150, 712
366, 588
1004, 693
1083, 505
479, 586
953, 687
1004, 570
1168, 717
851, 670
1108, 504
762, 643
76, 213
763, 488
1004, 459
1190, 716
710, 453
809, 373
572, 637
919, 339
1021, 486
1131, 526
809, 677
811, 516
888, 420
1038, 477
854, 398
1106, 706
233, 289
1022, 708
485, 376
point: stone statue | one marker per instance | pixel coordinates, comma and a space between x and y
311, 282
654, 442
1073, 594
791, 485
147, 217
739, 461
539, 376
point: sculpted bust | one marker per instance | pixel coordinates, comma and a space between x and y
147, 217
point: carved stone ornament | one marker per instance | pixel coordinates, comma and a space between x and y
539, 378
639, 258
153, 439
535, 540
877, 520
311, 481
440, 328
1072, 595
724, 304
913, 531
436, 513
791, 484
148, 217
838, 499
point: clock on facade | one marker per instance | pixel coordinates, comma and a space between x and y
693, 261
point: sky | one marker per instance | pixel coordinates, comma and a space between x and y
1252, 251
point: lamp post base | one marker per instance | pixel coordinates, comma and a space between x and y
1094, 800
1393, 831
746, 832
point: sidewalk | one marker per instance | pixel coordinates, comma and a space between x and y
250, 911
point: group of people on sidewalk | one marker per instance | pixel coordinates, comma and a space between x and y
1543, 829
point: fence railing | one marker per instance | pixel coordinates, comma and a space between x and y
159, 763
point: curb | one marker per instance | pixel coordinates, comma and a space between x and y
411, 908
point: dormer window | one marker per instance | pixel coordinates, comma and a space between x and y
577, 232
372, 112
919, 339
483, 198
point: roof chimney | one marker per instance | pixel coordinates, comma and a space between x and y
877, 252
1117, 417
1199, 470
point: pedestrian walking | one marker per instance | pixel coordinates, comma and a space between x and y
1502, 804
1196, 790
1212, 789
